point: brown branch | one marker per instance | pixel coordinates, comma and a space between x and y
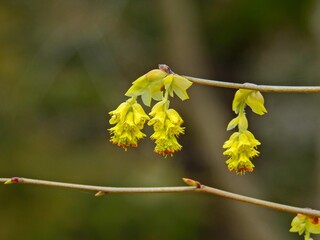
261, 88
194, 187
263, 203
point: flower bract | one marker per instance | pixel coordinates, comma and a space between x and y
252, 98
148, 86
178, 85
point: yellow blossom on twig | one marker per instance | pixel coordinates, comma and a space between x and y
242, 145
129, 119
305, 224
252, 98
177, 84
148, 86
167, 127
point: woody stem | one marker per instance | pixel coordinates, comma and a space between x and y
195, 189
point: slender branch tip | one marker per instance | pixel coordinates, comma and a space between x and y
252, 86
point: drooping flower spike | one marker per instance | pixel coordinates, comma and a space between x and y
242, 145
129, 118
167, 127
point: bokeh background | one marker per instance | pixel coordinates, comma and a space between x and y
65, 64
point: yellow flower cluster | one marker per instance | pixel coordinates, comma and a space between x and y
242, 145
129, 119
167, 127
305, 224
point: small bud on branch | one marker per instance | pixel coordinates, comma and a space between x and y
99, 194
191, 182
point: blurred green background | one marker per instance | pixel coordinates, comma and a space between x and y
65, 64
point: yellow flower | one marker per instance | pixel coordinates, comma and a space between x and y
129, 118
240, 163
167, 127
140, 117
240, 148
305, 224
166, 145
174, 117
159, 115
120, 113
148, 86
252, 98
177, 84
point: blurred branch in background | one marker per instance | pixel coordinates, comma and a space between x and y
316, 29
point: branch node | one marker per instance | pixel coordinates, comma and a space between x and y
248, 84
13, 180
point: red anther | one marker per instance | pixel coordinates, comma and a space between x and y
315, 220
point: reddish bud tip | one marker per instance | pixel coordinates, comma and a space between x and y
165, 68
191, 182
13, 180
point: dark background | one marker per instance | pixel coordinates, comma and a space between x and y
65, 64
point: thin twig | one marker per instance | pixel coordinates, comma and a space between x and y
196, 188
261, 88
99, 188
263, 203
